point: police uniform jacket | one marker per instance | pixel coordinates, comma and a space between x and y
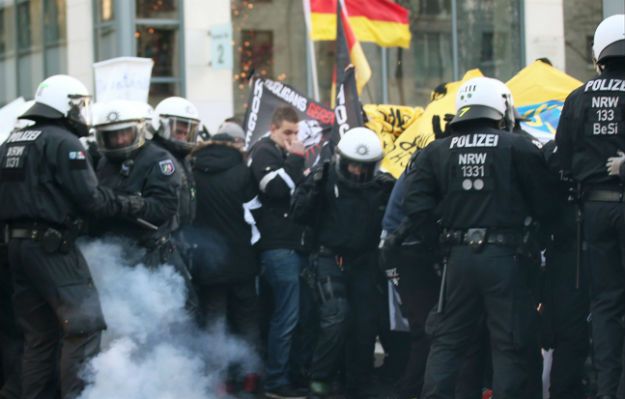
592, 128
187, 202
151, 173
564, 227
346, 218
46, 176
276, 173
483, 178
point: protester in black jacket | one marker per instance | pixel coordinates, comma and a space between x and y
277, 163
223, 231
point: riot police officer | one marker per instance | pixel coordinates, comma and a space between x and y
565, 293
132, 165
47, 186
179, 124
344, 202
592, 129
484, 183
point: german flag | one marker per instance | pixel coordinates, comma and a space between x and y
378, 21
348, 51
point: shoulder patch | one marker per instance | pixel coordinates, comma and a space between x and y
167, 167
77, 159
77, 155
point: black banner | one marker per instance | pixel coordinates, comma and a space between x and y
348, 111
267, 95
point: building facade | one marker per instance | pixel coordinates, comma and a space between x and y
206, 50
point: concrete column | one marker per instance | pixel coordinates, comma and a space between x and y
544, 31
80, 41
209, 89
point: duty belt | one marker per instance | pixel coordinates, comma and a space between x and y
51, 238
30, 231
478, 237
604, 196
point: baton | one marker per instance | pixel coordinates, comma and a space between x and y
441, 292
146, 224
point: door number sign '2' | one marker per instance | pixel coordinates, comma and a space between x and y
221, 46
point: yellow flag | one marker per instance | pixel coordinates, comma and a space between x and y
420, 133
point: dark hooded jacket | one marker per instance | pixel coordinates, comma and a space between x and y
225, 187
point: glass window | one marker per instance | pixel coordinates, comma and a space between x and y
55, 36
54, 21
106, 10
31, 73
581, 18
160, 91
7, 26
257, 54
489, 37
162, 9
24, 27
160, 44
270, 38
415, 71
107, 43
7, 53
30, 62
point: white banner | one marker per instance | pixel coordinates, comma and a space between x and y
125, 78
8, 117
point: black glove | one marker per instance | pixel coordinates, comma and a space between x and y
387, 248
130, 205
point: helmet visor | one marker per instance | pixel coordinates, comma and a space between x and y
182, 130
119, 140
80, 110
357, 172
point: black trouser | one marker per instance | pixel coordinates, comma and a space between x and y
235, 302
11, 338
366, 302
491, 284
58, 308
604, 235
564, 319
330, 294
418, 288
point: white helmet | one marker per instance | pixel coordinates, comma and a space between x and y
609, 40
179, 123
62, 96
483, 98
120, 128
359, 153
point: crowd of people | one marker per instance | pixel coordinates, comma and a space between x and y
497, 247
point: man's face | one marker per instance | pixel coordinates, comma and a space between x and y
284, 134
120, 138
355, 169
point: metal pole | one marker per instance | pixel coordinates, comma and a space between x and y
384, 56
311, 59
454, 39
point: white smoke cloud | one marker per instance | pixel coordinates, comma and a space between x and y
152, 348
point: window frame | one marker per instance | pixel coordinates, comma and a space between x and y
125, 23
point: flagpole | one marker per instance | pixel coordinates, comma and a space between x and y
310, 47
